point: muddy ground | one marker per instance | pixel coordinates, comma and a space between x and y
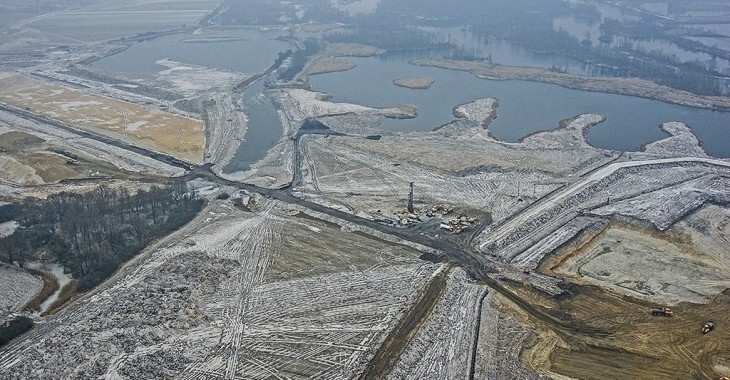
618, 275
612, 336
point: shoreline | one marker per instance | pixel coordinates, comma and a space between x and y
621, 86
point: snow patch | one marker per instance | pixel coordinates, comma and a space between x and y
7, 228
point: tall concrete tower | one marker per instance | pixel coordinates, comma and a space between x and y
410, 200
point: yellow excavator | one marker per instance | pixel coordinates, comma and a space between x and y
708, 326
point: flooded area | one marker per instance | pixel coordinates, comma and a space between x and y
630, 121
524, 108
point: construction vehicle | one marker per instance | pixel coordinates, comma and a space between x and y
663, 312
708, 326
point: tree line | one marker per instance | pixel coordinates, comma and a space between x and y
92, 234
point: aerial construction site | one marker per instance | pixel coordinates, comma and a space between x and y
267, 224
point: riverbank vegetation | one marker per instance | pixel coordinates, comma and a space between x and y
92, 234
625, 46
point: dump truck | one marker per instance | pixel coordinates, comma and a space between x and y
663, 312
708, 326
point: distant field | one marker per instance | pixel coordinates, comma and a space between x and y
118, 19
160, 131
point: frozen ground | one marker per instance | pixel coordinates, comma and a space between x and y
17, 287
609, 186
314, 104
7, 228
481, 111
154, 129
232, 294
362, 182
191, 80
121, 158
639, 264
446, 345
460, 166
681, 143
57, 271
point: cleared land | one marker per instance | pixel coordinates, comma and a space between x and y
17, 287
479, 173
26, 159
648, 265
108, 20
612, 336
234, 294
164, 132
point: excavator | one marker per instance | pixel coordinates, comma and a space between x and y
708, 326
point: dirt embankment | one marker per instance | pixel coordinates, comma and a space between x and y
615, 334
623, 86
397, 341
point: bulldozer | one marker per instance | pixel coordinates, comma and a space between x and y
663, 312
708, 326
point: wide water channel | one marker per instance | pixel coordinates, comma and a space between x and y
524, 107
243, 50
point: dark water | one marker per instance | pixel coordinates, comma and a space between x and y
525, 107
264, 129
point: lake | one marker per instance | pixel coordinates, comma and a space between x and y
242, 50
525, 107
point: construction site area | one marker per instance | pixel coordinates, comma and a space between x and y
347, 249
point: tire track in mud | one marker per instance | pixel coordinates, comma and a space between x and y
398, 339
254, 262
250, 247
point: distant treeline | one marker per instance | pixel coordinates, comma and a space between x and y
91, 234
397, 25
238, 12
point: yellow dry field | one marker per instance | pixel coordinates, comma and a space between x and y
156, 130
